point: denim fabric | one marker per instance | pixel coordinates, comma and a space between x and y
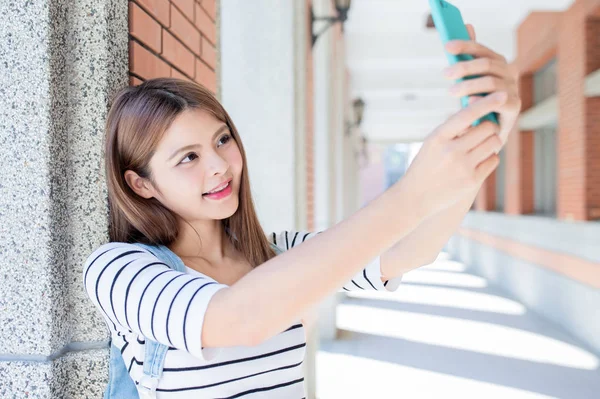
120, 385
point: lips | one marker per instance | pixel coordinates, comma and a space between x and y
220, 186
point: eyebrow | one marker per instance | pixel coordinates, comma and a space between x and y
190, 146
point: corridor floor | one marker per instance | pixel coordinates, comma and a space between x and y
447, 334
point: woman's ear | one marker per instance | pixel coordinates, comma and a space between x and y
138, 184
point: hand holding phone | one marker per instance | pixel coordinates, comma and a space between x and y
450, 25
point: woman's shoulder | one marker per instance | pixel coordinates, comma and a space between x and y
112, 250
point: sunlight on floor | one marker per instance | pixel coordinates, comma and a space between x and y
446, 333
469, 335
426, 276
446, 297
445, 266
348, 377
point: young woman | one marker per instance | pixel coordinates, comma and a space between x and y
177, 176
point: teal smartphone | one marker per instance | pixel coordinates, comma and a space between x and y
450, 25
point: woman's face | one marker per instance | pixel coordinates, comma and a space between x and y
197, 154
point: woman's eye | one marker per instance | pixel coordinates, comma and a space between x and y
188, 156
225, 137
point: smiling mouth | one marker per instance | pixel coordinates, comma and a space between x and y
224, 192
226, 186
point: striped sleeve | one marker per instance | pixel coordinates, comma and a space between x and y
369, 278
135, 292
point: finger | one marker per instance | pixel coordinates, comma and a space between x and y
485, 169
472, 99
491, 145
473, 48
466, 116
471, 30
483, 85
476, 135
479, 66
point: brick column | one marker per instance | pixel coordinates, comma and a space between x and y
592, 118
519, 186
536, 44
571, 125
573, 37
579, 123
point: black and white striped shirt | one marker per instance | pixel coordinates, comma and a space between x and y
139, 296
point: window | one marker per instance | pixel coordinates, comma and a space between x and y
544, 82
500, 182
544, 143
545, 170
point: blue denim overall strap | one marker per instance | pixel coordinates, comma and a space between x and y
120, 385
155, 352
276, 249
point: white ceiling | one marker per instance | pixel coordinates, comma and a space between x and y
391, 54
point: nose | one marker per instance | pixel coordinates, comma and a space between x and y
215, 163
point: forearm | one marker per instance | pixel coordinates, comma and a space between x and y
422, 245
280, 291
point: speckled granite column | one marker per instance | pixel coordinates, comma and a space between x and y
60, 61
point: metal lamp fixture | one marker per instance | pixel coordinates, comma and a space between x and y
358, 105
429, 24
342, 7
358, 109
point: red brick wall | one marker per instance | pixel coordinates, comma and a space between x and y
592, 109
571, 137
536, 45
573, 37
537, 41
519, 173
592, 119
176, 38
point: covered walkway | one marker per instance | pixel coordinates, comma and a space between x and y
448, 333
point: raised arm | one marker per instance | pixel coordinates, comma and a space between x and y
275, 294
454, 160
369, 278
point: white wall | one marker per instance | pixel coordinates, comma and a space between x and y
323, 87
573, 305
257, 83
263, 87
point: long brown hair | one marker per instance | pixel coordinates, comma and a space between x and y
137, 120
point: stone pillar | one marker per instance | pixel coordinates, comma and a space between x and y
61, 62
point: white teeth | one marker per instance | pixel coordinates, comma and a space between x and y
216, 191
